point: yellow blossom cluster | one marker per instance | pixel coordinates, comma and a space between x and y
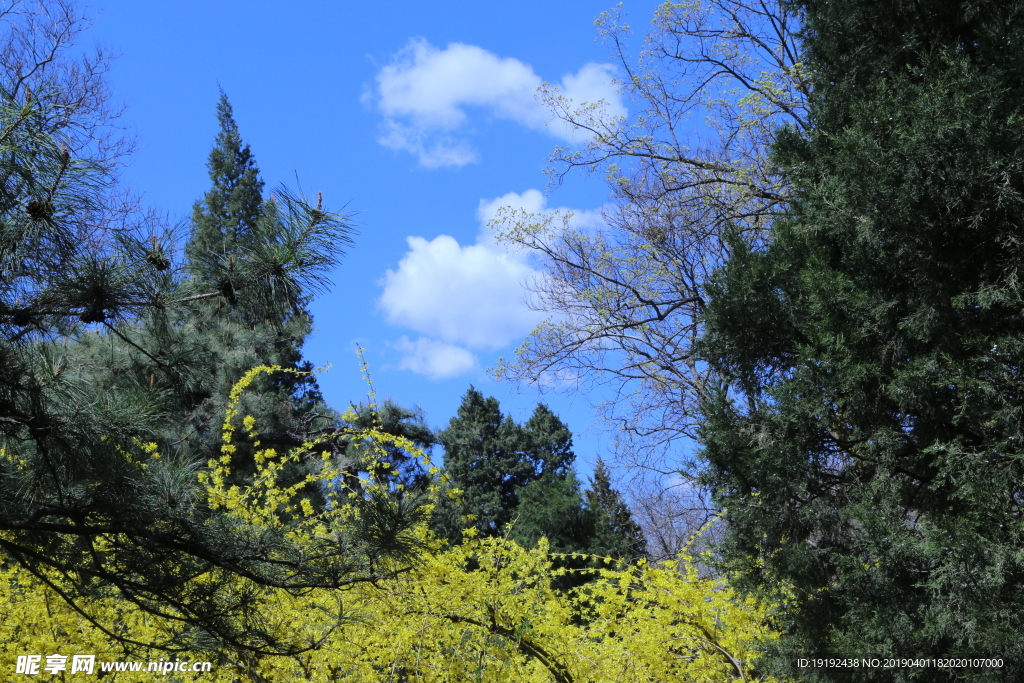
487, 610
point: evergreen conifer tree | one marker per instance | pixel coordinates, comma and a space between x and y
216, 340
552, 507
225, 219
867, 441
616, 533
404, 472
519, 480
492, 459
111, 343
484, 458
225, 226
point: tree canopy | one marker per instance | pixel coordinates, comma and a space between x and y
484, 610
492, 459
821, 286
519, 481
690, 165
866, 442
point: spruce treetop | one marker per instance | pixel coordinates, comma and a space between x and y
616, 532
227, 215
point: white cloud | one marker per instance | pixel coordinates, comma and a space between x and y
465, 298
590, 85
531, 201
425, 91
433, 358
434, 151
430, 86
469, 295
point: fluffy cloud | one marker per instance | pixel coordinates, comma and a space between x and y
425, 91
531, 201
470, 295
434, 151
464, 298
433, 358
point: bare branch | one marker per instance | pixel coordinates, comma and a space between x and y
690, 167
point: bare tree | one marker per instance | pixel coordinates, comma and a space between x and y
687, 169
673, 515
37, 59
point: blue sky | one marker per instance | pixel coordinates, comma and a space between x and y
421, 119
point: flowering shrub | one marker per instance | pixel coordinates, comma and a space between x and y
485, 610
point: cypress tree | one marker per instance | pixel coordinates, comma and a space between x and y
552, 507
519, 480
867, 439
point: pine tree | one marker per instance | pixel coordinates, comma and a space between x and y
216, 340
867, 442
111, 343
225, 226
405, 472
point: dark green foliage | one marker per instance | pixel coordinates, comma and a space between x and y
491, 458
552, 507
616, 534
212, 341
226, 225
518, 480
226, 218
405, 472
109, 340
867, 441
